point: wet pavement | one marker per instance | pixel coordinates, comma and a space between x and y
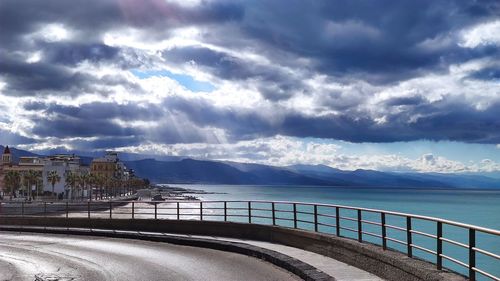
41, 257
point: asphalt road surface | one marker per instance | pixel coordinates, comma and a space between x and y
41, 257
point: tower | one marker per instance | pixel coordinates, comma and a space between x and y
6, 157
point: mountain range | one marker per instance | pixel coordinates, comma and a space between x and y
173, 169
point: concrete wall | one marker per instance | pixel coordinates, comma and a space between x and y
390, 265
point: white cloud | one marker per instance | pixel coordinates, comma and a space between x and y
284, 151
52, 33
482, 34
34, 57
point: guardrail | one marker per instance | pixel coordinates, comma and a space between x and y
403, 232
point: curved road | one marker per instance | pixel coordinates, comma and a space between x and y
26, 256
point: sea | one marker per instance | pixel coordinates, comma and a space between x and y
470, 206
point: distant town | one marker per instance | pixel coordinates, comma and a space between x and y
64, 177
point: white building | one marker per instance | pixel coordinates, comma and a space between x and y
61, 163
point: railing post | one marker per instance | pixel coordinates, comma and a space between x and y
67, 211
225, 211
360, 227
439, 245
178, 211
273, 214
316, 218
249, 212
384, 231
337, 221
201, 211
294, 215
133, 210
408, 237
110, 209
472, 254
88, 210
156, 210
22, 209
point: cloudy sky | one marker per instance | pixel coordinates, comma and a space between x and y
388, 85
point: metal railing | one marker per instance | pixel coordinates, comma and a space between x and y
406, 233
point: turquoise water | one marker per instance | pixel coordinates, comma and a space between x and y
477, 207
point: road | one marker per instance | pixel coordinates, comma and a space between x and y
26, 256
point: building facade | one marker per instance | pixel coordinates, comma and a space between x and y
62, 164
109, 167
24, 165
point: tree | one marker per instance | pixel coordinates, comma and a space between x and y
53, 178
99, 182
31, 177
12, 181
39, 183
83, 180
71, 182
92, 185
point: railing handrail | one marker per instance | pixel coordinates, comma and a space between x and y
401, 214
316, 223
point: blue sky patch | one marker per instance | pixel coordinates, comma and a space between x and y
185, 80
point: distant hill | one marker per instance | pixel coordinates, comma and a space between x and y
186, 170
212, 172
215, 172
366, 178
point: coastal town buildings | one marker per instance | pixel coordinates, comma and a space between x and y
24, 165
109, 167
62, 164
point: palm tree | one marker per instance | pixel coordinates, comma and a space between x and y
12, 181
31, 177
84, 180
99, 181
39, 183
92, 184
53, 177
115, 184
71, 181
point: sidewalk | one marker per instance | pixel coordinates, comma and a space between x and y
339, 270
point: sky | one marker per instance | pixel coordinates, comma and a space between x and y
389, 85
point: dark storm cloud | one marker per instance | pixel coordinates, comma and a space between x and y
375, 42
97, 119
86, 21
7, 138
239, 124
368, 38
272, 83
398, 101
91, 18
28, 78
187, 120
91, 119
65, 127
490, 73
74, 53
442, 120
107, 142
100, 110
221, 64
